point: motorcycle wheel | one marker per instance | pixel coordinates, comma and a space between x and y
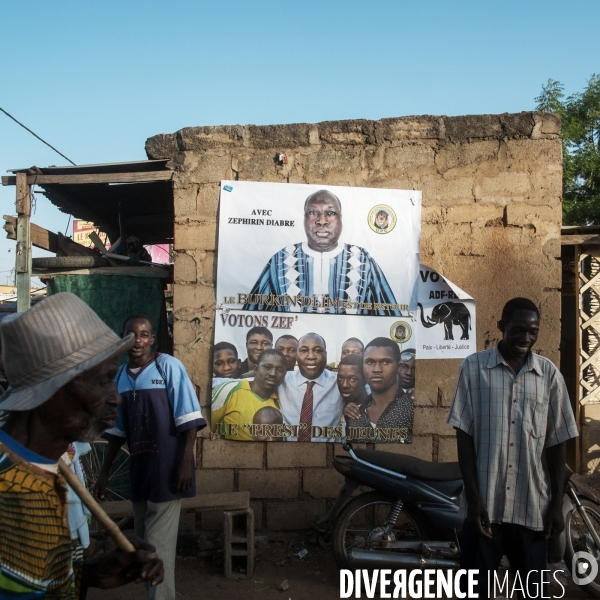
362, 516
580, 539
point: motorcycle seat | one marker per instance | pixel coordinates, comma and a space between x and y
411, 466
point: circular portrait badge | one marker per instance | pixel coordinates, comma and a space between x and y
382, 218
401, 332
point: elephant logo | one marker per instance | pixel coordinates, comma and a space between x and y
449, 313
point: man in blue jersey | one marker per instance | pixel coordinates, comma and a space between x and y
159, 418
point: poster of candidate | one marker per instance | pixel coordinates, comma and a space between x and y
446, 318
315, 285
318, 249
343, 358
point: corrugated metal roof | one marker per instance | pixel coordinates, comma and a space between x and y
146, 207
139, 166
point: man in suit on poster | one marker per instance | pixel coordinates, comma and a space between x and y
310, 396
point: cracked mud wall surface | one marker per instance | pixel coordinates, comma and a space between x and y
491, 224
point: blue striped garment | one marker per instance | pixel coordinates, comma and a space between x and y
353, 276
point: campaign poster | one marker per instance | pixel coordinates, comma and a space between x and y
446, 318
320, 271
313, 346
352, 251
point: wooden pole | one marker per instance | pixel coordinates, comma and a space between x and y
577, 408
111, 527
23, 254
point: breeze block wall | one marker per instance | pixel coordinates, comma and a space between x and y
491, 224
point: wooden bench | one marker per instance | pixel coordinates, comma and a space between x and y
238, 530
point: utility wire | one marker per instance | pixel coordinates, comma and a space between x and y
37, 136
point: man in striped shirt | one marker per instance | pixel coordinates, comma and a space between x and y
512, 416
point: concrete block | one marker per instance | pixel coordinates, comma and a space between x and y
499, 188
411, 128
436, 379
291, 454
190, 301
218, 454
279, 137
525, 214
185, 201
260, 166
196, 235
358, 132
187, 521
273, 483
239, 543
547, 125
207, 268
421, 447
518, 124
207, 167
257, 507
441, 427
409, 157
212, 520
214, 481
207, 201
447, 450
205, 138
185, 268
452, 158
337, 165
161, 146
322, 483
469, 213
294, 515
438, 191
424, 421
473, 126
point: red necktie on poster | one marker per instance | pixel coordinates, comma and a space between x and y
306, 413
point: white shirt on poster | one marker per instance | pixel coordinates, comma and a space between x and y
327, 401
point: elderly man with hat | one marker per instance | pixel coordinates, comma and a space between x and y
61, 360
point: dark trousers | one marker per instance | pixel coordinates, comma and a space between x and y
525, 549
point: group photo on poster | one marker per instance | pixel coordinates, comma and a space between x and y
314, 338
261, 364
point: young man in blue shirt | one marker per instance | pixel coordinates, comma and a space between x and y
159, 418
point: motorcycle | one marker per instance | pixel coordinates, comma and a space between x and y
410, 517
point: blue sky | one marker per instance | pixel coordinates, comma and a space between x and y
96, 79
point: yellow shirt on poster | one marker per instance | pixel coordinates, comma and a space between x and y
234, 403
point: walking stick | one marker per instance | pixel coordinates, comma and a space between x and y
122, 542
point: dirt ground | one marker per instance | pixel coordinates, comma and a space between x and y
310, 578
279, 574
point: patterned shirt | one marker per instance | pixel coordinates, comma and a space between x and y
351, 275
159, 403
35, 543
394, 426
512, 419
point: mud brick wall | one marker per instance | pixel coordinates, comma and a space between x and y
491, 224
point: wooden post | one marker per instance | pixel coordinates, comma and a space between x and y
578, 467
23, 255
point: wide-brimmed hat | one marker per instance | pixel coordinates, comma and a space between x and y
50, 344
